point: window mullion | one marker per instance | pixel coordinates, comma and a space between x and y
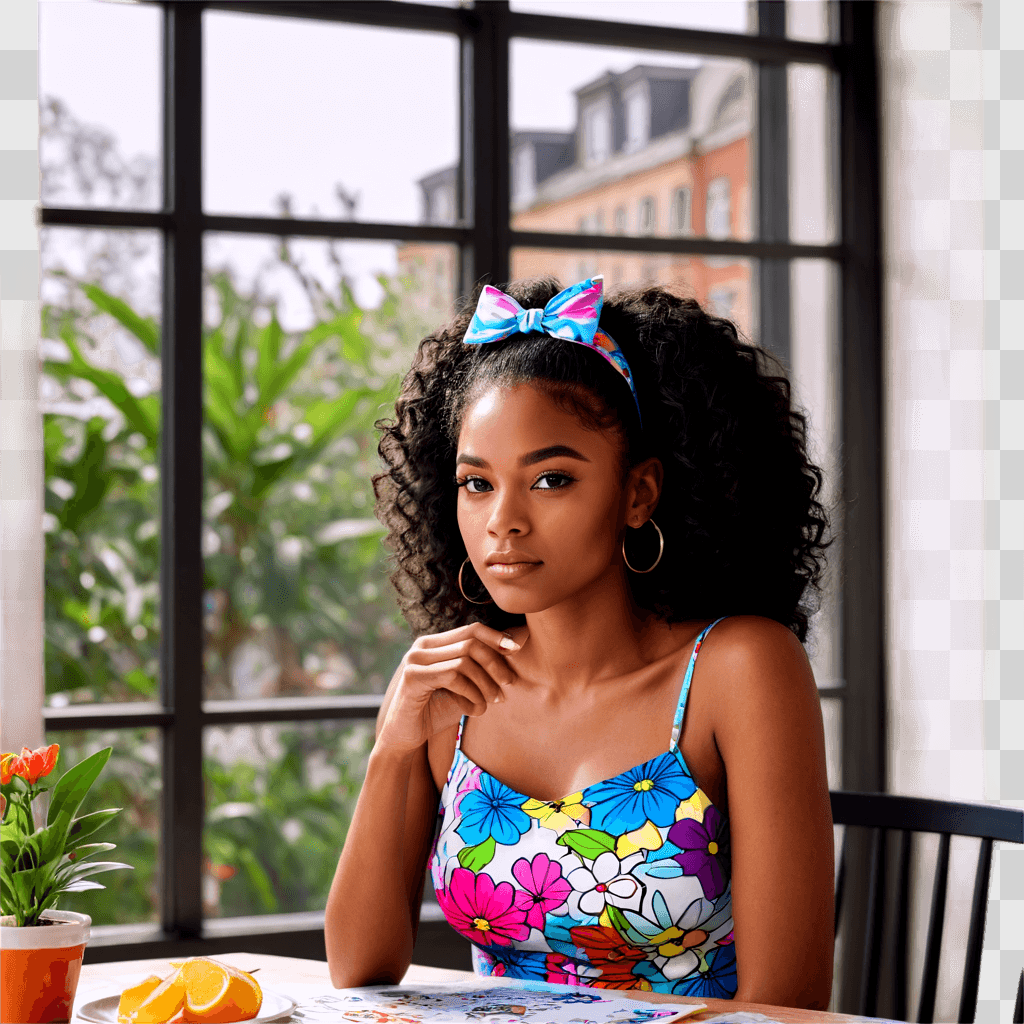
773, 186
181, 566
488, 198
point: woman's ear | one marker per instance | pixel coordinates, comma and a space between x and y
643, 489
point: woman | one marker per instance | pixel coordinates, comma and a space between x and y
595, 804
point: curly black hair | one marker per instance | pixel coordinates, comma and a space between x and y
744, 530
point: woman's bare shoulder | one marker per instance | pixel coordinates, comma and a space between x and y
758, 667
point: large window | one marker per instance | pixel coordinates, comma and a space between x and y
252, 212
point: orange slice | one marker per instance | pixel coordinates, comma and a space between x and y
162, 1003
131, 998
219, 993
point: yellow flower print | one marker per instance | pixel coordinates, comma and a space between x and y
647, 837
559, 815
674, 941
694, 807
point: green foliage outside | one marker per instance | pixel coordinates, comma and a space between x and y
296, 600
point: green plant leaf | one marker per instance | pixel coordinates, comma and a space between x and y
326, 418
108, 383
75, 783
477, 857
94, 867
143, 328
80, 885
268, 351
85, 851
8, 895
258, 878
24, 887
84, 826
589, 843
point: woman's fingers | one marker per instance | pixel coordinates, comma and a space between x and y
493, 638
469, 649
460, 675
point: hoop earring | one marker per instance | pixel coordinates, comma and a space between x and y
490, 600
661, 551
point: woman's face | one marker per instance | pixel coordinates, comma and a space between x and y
541, 502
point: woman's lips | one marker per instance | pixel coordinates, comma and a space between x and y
510, 570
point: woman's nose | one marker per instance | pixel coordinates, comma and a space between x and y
507, 515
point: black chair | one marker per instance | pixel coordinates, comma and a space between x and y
883, 812
1018, 1007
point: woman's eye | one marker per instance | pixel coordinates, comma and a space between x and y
553, 481
474, 484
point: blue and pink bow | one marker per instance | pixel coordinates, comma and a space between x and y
571, 315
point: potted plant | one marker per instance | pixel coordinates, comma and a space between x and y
41, 947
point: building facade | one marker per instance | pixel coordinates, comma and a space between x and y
655, 151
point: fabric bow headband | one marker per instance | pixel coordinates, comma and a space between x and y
571, 315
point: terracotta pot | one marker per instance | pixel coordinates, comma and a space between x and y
39, 967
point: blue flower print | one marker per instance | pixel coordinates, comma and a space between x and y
493, 810
718, 981
649, 792
515, 963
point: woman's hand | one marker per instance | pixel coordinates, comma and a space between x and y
442, 677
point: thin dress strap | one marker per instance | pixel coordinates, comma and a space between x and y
458, 739
677, 723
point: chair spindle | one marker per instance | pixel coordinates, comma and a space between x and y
933, 944
873, 925
902, 921
976, 933
840, 881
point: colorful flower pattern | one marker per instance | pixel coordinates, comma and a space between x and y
623, 885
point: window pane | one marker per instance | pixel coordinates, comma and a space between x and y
305, 345
717, 16
612, 141
832, 717
129, 780
815, 21
813, 196
814, 372
100, 104
279, 799
347, 138
720, 283
100, 399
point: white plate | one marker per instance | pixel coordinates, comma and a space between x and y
104, 1010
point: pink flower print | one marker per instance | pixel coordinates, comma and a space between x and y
483, 912
543, 887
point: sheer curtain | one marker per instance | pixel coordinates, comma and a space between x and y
21, 439
953, 521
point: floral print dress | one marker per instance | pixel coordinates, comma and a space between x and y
623, 885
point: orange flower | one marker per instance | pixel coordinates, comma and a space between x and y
10, 765
34, 764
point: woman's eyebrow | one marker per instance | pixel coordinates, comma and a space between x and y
552, 451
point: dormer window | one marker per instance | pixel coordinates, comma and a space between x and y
597, 132
524, 175
637, 103
442, 205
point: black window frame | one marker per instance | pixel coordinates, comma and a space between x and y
485, 239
